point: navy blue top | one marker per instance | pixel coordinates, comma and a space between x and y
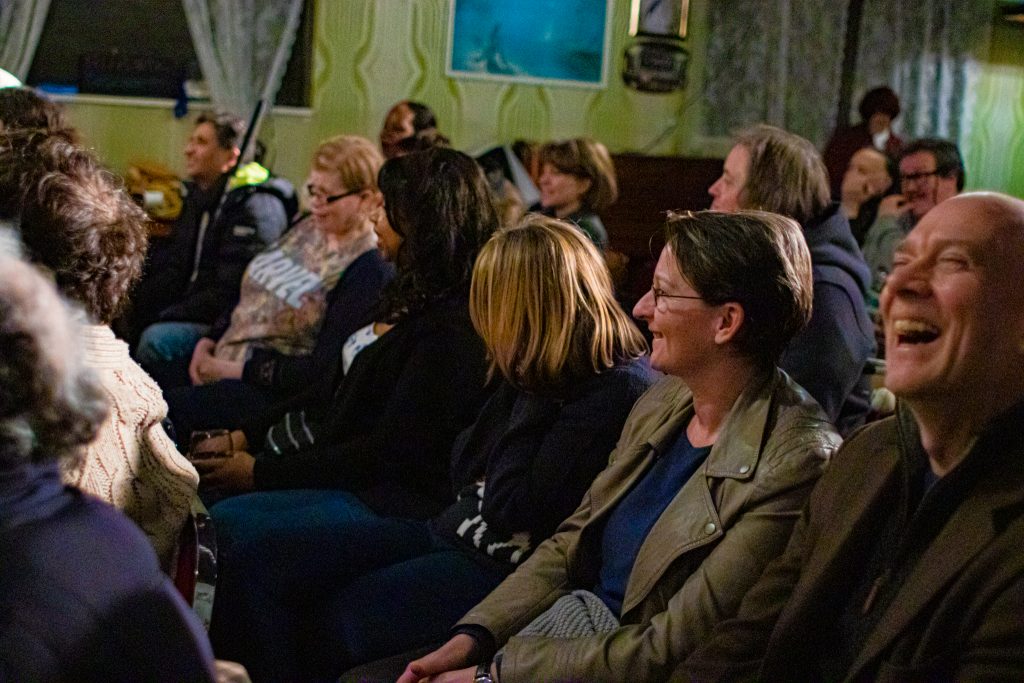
632, 519
82, 593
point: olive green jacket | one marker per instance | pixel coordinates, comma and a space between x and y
708, 547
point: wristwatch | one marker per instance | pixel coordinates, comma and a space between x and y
483, 673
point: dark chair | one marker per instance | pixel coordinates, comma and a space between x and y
195, 576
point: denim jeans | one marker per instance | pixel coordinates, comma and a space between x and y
313, 582
165, 350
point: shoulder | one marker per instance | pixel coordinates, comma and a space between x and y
801, 431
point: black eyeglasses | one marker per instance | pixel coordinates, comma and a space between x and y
913, 177
660, 294
329, 198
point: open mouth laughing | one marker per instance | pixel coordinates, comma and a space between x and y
909, 331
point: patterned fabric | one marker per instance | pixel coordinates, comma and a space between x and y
284, 293
475, 531
359, 340
132, 464
577, 615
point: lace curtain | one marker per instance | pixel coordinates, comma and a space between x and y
21, 24
237, 43
929, 53
780, 62
776, 62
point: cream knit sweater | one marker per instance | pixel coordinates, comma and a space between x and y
132, 464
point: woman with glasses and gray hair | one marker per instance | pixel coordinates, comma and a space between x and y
709, 474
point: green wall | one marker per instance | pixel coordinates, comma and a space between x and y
372, 53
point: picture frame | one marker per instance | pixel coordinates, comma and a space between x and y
542, 42
659, 18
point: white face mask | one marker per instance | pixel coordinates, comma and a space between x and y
880, 139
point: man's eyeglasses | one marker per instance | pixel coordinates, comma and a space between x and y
660, 295
313, 193
914, 177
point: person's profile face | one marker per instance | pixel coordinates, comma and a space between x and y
727, 191
921, 184
561, 192
397, 126
205, 159
953, 308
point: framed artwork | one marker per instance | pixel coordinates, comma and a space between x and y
659, 17
547, 42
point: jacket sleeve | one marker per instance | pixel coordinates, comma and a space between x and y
242, 233
439, 383
352, 303
536, 490
994, 650
710, 594
828, 357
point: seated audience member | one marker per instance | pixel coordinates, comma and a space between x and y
300, 300
711, 471
25, 108
907, 564
409, 127
878, 109
577, 180
78, 222
225, 221
870, 176
931, 171
570, 368
773, 170
83, 595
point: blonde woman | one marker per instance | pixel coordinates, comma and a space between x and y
569, 365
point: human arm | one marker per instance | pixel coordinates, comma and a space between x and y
701, 587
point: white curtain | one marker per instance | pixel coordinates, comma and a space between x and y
775, 62
238, 42
21, 24
929, 53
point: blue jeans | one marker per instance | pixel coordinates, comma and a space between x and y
165, 350
317, 574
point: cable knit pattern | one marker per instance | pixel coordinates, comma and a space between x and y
133, 464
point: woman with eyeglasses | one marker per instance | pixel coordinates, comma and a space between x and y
701, 491
299, 300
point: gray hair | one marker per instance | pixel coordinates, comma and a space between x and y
50, 404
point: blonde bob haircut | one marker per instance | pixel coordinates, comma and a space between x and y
354, 159
542, 300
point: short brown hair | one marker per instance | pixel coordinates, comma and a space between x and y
786, 175
542, 300
354, 159
587, 159
227, 127
75, 219
757, 259
25, 108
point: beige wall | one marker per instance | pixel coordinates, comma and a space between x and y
371, 53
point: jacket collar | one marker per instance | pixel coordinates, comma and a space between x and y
692, 520
974, 525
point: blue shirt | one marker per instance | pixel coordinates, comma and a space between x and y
633, 518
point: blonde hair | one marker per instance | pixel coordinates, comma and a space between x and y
588, 159
355, 159
542, 300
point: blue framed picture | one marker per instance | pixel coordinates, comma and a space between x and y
548, 42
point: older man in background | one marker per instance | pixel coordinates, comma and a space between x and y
906, 565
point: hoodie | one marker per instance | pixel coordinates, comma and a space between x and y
828, 358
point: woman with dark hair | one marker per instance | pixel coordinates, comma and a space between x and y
25, 108
569, 366
701, 491
82, 593
577, 180
408, 127
382, 444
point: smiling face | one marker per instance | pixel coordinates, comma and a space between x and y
726, 192
927, 189
561, 192
683, 330
205, 159
953, 305
338, 217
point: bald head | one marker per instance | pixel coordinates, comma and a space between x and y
954, 307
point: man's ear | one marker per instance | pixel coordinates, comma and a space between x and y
231, 159
730, 320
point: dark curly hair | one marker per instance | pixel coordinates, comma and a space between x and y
439, 202
50, 405
24, 108
75, 219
